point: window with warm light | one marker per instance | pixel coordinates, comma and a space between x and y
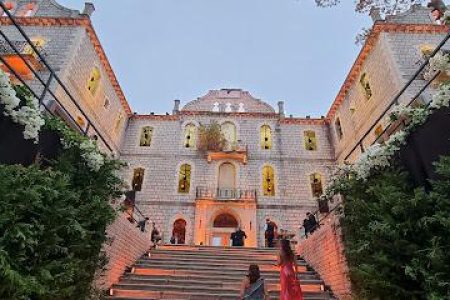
38, 43
268, 183
189, 136
338, 128
310, 140
146, 136
266, 137
94, 81
138, 179
378, 131
316, 185
184, 179
80, 121
365, 85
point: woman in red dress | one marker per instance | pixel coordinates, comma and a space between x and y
290, 286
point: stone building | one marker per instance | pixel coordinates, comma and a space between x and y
272, 166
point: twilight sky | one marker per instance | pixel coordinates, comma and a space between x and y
285, 50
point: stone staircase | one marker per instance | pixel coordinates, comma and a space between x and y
209, 273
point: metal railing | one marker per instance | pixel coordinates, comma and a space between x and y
395, 101
225, 194
44, 84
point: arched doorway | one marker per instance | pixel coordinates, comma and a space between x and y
229, 133
179, 231
223, 225
227, 181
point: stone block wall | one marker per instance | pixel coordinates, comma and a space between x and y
324, 251
127, 244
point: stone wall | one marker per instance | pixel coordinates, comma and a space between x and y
127, 243
324, 251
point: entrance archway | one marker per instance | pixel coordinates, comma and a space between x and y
223, 225
179, 231
226, 181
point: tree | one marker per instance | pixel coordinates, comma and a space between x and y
386, 7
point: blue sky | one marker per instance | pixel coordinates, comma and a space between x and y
285, 50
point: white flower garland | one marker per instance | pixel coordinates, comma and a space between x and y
439, 62
28, 115
31, 117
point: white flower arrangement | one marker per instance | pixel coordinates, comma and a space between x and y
91, 155
439, 62
442, 97
28, 115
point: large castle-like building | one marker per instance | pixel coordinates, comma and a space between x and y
273, 165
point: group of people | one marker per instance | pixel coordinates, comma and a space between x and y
253, 286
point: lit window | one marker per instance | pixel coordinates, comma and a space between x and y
268, 181
146, 136
106, 104
266, 137
184, 179
10, 6
80, 121
310, 140
378, 131
138, 178
338, 128
189, 136
316, 185
365, 85
27, 10
94, 81
38, 43
119, 122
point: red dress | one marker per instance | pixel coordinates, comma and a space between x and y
290, 286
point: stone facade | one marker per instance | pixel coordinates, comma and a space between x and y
386, 62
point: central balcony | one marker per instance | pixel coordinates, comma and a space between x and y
224, 194
236, 151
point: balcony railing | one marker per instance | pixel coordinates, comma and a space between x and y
225, 194
232, 151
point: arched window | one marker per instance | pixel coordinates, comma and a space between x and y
80, 121
225, 221
184, 179
94, 81
365, 85
310, 140
338, 128
268, 183
146, 136
38, 43
10, 6
229, 132
378, 131
190, 132
138, 178
266, 137
27, 10
316, 185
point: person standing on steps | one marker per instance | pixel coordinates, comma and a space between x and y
253, 286
238, 237
290, 286
155, 237
312, 222
270, 232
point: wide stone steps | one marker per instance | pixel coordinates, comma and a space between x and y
190, 273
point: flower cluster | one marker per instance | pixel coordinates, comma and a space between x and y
28, 115
440, 62
91, 155
442, 97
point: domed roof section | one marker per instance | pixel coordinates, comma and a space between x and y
228, 101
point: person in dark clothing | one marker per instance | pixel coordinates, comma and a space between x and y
306, 226
155, 236
237, 238
312, 222
270, 232
142, 223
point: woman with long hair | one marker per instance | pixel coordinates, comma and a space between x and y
253, 287
290, 286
